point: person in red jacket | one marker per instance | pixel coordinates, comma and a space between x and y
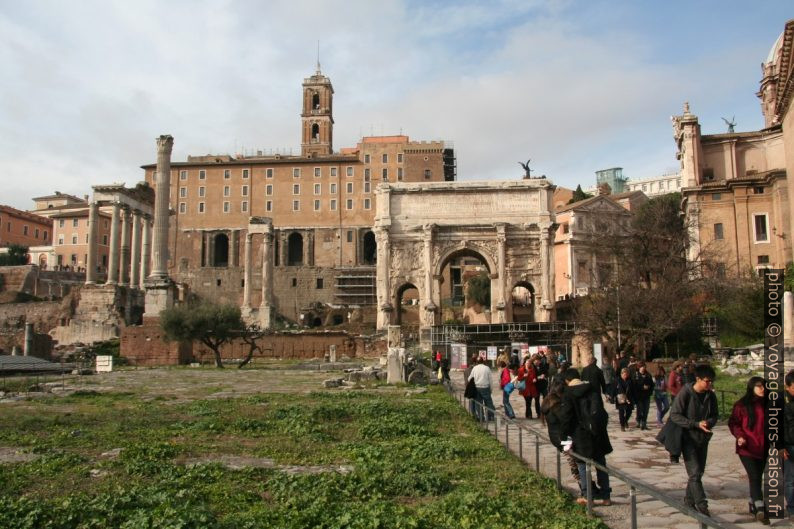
676, 380
747, 426
527, 374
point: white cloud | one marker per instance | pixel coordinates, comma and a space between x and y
88, 86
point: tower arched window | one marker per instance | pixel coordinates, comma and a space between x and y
316, 132
315, 101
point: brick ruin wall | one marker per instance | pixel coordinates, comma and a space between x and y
144, 346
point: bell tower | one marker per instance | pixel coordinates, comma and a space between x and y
317, 121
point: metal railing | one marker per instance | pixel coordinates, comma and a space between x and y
635, 485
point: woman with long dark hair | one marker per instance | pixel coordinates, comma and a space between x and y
747, 426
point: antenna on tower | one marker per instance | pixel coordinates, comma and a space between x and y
318, 57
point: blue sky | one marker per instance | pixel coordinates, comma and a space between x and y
576, 86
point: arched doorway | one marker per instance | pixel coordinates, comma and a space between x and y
220, 255
523, 302
407, 305
294, 249
369, 249
461, 270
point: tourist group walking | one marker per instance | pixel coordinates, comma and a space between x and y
570, 404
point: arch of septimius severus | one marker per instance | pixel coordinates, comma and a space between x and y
509, 226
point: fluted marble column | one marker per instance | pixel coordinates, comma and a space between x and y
135, 260
113, 257
544, 266
161, 209
146, 247
124, 260
383, 265
501, 285
430, 307
93, 231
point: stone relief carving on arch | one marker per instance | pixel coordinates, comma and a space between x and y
487, 249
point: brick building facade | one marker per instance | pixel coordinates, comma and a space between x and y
322, 206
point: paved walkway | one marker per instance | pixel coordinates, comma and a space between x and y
637, 453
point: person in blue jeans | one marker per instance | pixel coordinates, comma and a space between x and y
788, 440
660, 395
506, 383
482, 380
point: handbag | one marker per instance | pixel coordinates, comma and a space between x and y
471, 390
440, 375
521, 386
622, 398
509, 387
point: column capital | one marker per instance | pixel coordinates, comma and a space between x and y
164, 144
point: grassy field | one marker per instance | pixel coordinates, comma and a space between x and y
377, 457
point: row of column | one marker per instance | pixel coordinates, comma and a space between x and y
130, 246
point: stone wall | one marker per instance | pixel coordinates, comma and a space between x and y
144, 346
102, 312
30, 279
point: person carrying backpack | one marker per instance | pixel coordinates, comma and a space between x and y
585, 421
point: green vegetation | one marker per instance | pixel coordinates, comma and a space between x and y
478, 289
17, 255
579, 195
410, 461
202, 321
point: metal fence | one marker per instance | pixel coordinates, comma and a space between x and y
539, 439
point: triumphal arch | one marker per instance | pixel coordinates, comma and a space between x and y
508, 226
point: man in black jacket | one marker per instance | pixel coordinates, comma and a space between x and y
643, 388
695, 411
593, 374
585, 421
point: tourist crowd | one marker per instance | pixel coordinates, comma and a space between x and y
570, 405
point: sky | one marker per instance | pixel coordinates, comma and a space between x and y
575, 86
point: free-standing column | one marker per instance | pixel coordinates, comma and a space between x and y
124, 265
93, 231
113, 258
146, 247
161, 200
266, 308
248, 272
135, 261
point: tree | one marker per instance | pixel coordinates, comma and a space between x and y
209, 323
650, 290
478, 289
250, 335
739, 308
17, 255
579, 195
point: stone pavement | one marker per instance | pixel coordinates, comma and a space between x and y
637, 453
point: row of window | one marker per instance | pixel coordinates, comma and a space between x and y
296, 172
26, 231
317, 205
296, 190
74, 239
760, 229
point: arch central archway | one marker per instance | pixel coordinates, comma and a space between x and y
465, 287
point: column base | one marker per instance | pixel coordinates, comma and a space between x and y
159, 297
267, 316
